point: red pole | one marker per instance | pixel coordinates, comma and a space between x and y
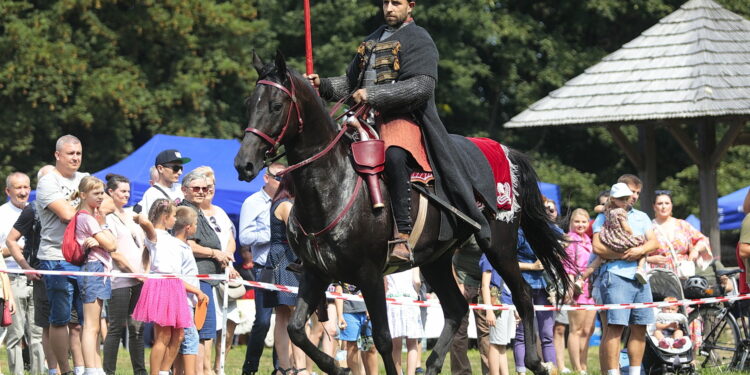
308, 39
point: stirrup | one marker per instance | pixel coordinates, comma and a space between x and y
395, 258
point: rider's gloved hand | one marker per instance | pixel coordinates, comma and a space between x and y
314, 79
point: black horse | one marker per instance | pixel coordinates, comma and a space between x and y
340, 237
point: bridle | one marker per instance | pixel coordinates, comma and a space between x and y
356, 110
276, 143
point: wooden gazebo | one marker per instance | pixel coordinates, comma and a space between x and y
687, 73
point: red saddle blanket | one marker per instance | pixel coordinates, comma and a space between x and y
500, 164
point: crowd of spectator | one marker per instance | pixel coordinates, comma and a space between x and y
62, 321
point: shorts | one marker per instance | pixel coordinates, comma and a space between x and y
208, 332
41, 305
354, 324
561, 317
617, 289
504, 329
62, 292
94, 287
189, 345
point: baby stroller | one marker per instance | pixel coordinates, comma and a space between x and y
656, 360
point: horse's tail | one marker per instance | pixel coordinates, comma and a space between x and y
537, 227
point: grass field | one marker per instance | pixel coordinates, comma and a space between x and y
236, 357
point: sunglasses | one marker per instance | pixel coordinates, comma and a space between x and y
550, 209
663, 192
212, 219
175, 167
275, 177
198, 189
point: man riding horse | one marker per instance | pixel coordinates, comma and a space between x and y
395, 72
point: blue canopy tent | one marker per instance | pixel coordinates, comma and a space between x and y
730, 209
215, 153
551, 191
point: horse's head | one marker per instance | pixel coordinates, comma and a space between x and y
274, 117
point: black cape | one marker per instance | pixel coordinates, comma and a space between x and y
460, 180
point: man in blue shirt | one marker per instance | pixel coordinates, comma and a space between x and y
255, 233
618, 284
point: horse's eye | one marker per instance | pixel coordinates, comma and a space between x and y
276, 107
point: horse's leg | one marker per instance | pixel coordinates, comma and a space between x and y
502, 256
310, 293
373, 292
438, 275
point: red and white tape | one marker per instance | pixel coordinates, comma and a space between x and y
394, 301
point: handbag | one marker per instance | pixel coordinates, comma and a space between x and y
494, 298
684, 268
7, 317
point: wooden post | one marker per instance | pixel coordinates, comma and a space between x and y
707, 181
647, 169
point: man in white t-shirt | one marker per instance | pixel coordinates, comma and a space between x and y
17, 188
168, 165
56, 208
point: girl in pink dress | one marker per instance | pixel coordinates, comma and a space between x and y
579, 251
164, 301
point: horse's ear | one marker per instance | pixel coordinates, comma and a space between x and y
257, 62
280, 63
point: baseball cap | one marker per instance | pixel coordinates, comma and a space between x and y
620, 190
168, 156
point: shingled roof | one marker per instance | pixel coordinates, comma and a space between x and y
695, 62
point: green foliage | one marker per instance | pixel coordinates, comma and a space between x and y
731, 175
115, 73
578, 189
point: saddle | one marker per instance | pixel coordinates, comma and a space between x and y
368, 155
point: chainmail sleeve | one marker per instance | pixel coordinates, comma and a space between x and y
334, 88
402, 96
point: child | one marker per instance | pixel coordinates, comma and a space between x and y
356, 333
185, 226
404, 321
164, 301
95, 237
616, 232
667, 329
502, 323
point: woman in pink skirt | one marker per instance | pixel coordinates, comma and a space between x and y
581, 322
164, 301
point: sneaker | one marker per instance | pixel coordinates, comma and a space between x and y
679, 343
419, 370
664, 344
566, 370
641, 277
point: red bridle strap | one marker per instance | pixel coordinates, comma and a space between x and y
313, 237
275, 143
318, 155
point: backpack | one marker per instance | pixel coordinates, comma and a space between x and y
71, 249
33, 238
